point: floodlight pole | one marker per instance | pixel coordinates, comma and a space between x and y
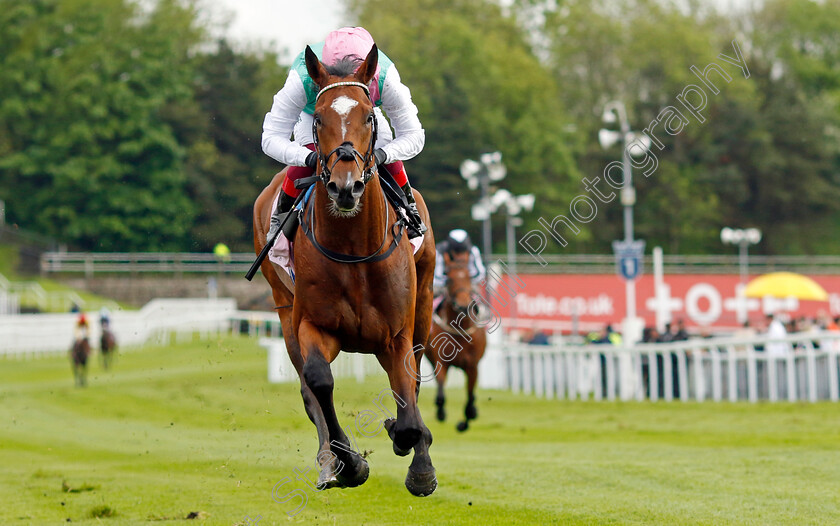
511, 224
628, 195
743, 260
487, 227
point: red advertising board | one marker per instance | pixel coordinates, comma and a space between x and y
699, 299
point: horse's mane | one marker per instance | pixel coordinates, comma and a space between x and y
346, 66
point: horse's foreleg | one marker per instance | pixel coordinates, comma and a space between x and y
408, 430
340, 465
470, 412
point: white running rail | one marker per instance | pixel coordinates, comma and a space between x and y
803, 367
29, 335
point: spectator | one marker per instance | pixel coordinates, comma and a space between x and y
681, 334
650, 335
669, 335
538, 338
776, 329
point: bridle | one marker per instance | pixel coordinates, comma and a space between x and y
449, 297
345, 151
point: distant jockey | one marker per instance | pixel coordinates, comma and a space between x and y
82, 329
458, 242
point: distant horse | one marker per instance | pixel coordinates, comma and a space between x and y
465, 339
358, 287
107, 347
79, 356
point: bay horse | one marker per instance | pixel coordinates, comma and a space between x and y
358, 285
78, 356
465, 339
107, 347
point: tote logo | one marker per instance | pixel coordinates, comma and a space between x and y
542, 305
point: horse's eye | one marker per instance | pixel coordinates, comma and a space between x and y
370, 118
317, 119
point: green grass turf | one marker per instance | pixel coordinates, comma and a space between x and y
196, 428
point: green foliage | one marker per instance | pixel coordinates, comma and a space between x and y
220, 129
767, 153
86, 157
479, 88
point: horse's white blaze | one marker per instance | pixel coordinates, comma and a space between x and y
342, 105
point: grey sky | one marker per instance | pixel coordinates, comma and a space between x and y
283, 24
288, 25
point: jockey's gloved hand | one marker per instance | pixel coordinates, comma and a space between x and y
312, 160
380, 156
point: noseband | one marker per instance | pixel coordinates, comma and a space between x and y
346, 151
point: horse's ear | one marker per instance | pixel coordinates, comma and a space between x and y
368, 68
317, 71
447, 258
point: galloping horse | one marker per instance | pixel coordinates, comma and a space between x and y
468, 338
358, 286
79, 356
107, 347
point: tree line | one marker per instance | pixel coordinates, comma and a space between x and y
127, 127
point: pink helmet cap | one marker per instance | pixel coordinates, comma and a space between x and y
346, 41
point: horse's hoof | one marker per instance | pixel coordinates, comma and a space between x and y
358, 479
328, 482
389, 427
421, 484
441, 414
462, 426
327, 479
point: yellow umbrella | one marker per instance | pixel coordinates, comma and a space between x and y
785, 285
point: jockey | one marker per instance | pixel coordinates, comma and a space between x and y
104, 317
457, 242
294, 105
82, 328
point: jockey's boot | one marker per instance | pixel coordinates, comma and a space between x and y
284, 205
415, 226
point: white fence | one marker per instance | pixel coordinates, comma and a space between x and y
703, 369
91, 263
26, 335
15, 293
359, 366
807, 369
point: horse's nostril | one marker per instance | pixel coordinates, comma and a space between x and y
332, 189
358, 188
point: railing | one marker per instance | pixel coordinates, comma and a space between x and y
347, 365
31, 293
33, 335
801, 367
678, 264
92, 263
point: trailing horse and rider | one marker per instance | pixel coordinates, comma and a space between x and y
457, 272
80, 350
